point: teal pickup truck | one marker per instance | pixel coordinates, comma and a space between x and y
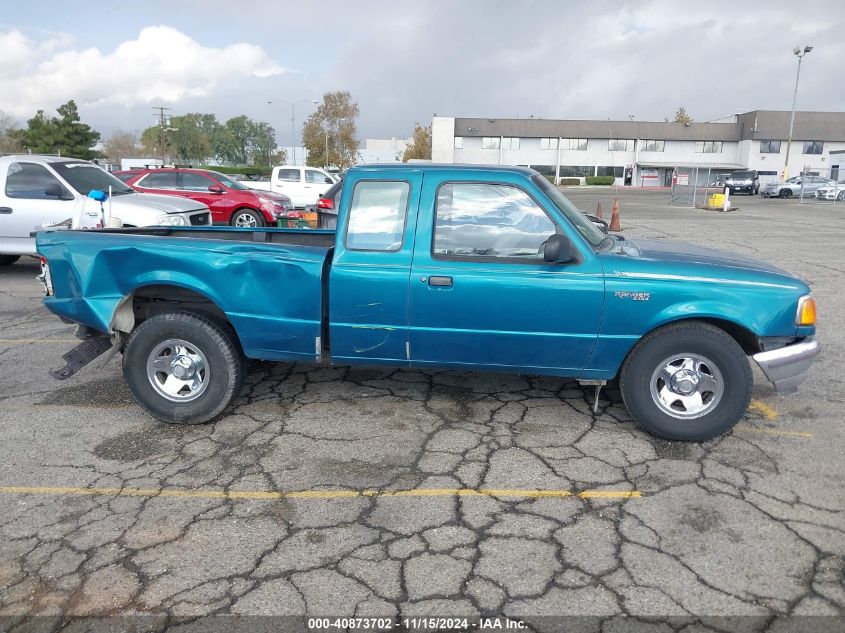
434, 266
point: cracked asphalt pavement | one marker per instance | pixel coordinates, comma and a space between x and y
348, 491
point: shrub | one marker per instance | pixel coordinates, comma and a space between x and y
600, 180
570, 181
551, 179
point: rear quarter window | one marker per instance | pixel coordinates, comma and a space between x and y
377, 215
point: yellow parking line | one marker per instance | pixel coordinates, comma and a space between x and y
746, 428
767, 411
12, 341
269, 495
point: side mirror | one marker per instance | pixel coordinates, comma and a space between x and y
558, 249
215, 189
55, 190
329, 181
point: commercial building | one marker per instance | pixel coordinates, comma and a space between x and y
648, 153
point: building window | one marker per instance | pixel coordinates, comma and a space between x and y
548, 143
653, 146
510, 142
620, 145
577, 171
578, 144
490, 142
459, 142
617, 172
770, 147
813, 147
708, 147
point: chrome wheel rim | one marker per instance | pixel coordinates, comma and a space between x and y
178, 370
245, 221
687, 386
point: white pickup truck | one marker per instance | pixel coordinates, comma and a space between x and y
38, 191
303, 185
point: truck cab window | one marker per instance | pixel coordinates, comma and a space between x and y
488, 220
31, 181
377, 215
289, 175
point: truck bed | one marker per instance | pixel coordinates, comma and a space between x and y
265, 235
269, 283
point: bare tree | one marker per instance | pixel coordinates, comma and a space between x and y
9, 134
121, 144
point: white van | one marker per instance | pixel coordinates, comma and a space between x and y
37, 191
302, 184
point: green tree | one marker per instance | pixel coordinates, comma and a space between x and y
65, 134
334, 126
243, 141
9, 135
420, 145
187, 138
681, 116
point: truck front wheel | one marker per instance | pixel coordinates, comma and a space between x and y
183, 367
247, 219
6, 260
689, 381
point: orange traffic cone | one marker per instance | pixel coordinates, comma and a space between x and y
614, 217
598, 212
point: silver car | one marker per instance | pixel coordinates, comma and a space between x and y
831, 192
795, 185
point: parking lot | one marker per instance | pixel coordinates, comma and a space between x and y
350, 491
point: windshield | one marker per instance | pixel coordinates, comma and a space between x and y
229, 182
87, 176
586, 228
741, 175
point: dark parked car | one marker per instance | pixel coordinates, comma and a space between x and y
230, 201
743, 181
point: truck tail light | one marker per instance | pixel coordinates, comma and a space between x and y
806, 311
325, 203
44, 277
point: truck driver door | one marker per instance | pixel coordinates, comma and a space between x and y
368, 287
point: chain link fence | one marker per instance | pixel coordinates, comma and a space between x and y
692, 186
812, 186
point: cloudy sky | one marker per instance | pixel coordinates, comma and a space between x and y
403, 61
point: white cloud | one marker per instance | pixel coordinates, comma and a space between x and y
161, 64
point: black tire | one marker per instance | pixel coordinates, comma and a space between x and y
700, 339
209, 336
6, 260
250, 216
841, 195
785, 193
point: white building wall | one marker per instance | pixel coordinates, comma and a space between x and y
798, 161
680, 153
443, 139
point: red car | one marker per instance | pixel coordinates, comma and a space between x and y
230, 201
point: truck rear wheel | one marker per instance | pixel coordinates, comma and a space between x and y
688, 381
183, 367
6, 260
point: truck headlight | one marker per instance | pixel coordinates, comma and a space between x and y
171, 220
806, 314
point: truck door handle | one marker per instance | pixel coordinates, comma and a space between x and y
6, 210
443, 282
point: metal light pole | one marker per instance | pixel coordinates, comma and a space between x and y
293, 105
799, 53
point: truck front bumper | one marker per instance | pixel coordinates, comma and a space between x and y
787, 367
